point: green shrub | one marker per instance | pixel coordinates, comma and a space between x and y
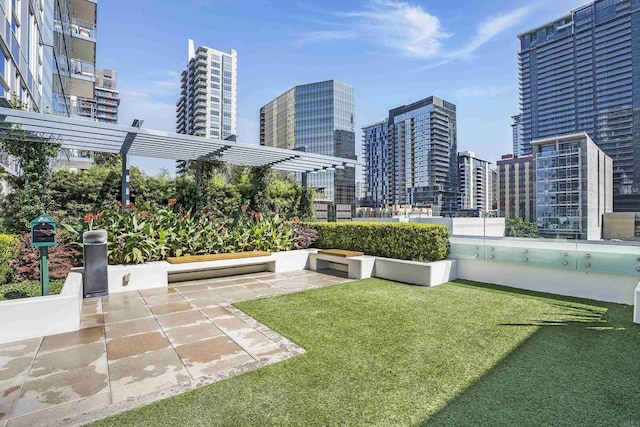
8, 252
421, 242
28, 289
138, 233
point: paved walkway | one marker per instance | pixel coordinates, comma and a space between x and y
138, 347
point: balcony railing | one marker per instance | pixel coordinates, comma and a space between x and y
76, 27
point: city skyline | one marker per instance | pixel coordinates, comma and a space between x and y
470, 58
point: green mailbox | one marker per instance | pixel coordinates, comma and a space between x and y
43, 235
43, 231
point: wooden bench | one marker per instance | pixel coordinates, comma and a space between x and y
198, 267
355, 264
215, 257
340, 253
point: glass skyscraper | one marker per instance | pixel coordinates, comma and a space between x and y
581, 73
418, 165
316, 118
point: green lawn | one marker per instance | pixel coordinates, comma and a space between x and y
383, 353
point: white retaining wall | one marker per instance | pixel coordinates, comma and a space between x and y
123, 278
416, 273
39, 316
590, 285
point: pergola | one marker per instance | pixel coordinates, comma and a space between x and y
87, 135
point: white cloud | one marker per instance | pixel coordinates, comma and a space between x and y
491, 28
411, 31
401, 25
482, 91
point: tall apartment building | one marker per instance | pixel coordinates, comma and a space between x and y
516, 187
375, 148
208, 99
574, 186
74, 58
581, 73
316, 118
518, 140
107, 97
475, 177
419, 167
25, 74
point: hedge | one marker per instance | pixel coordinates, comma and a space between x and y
8, 252
420, 242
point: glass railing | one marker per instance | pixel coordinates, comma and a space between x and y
597, 256
82, 69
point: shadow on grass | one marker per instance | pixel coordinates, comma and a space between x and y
578, 369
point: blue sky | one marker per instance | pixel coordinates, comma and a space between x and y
392, 53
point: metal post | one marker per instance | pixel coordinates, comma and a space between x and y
126, 197
44, 270
198, 182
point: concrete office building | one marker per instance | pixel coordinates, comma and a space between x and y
475, 183
208, 98
516, 187
574, 186
316, 118
579, 73
420, 166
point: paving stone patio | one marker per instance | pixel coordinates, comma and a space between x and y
138, 347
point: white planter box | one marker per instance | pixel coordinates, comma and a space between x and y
415, 272
39, 316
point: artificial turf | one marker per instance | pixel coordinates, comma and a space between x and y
384, 353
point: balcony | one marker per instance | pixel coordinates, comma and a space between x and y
77, 28
82, 70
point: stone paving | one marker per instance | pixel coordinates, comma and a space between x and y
134, 348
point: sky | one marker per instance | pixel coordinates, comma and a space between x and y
392, 52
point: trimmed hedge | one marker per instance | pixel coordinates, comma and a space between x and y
420, 242
8, 252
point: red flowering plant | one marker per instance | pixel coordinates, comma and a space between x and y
140, 234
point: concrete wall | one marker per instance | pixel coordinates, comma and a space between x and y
620, 225
492, 227
596, 286
39, 316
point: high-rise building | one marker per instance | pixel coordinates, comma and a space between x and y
316, 118
73, 58
207, 103
375, 147
580, 73
107, 96
475, 183
515, 185
420, 165
24, 73
574, 186
518, 140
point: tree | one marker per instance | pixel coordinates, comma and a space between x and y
30, 194
517, 227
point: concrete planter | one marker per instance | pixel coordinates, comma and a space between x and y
39, 316
416, 273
